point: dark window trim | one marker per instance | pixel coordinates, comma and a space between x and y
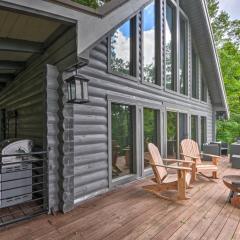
159, 129
197, 127
176, 48
158, 43
206, 131
134, 72
204, 92
130, 102
175, 45
197, 98
178, 111
128, 178
187, 29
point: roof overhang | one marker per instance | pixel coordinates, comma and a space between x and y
24, 37
203, 36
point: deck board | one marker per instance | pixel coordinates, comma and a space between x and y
130, 213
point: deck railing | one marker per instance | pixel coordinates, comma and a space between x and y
23, 186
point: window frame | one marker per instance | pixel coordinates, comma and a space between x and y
178, 111
176, 61
159, 111
206, 131
197, 127
203, 92
187, 30
130, 177
158, 46
198, 75
134, 51
174, 5
187, 118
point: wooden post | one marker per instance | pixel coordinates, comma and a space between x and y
181, 184
194, 171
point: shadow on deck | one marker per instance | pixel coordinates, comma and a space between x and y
130, 213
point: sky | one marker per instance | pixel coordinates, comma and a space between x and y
232, 7
123, 37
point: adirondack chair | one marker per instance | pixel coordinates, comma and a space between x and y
190, 151
164, 181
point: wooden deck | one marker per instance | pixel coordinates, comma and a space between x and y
130, 213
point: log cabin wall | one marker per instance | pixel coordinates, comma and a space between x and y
91, 169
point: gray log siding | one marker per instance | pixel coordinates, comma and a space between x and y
91, 120
35, 94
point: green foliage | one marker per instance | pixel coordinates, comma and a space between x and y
150, 127
149, 73
227, 37
122, 126
91, 3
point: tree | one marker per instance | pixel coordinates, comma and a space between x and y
227, 37
92, 3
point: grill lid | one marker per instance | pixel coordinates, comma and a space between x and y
15, 146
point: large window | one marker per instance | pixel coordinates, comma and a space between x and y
183, 73
195, 75
172, 135
149, 72
170, 41
123, 160
121, 45
150, 132
194, 128
203, 130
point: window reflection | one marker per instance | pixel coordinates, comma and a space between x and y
150, 132
194, 128
170, 31
122, 140
203, 90
183, 56
195, 82
203, 130
120, 49
183, 126
172, 129
149, 43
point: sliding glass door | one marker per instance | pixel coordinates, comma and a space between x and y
194, 128
123, 157
151, 133
172, 135
183, 126
203, 130
177, 130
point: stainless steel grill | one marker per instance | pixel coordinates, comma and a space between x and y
23, 181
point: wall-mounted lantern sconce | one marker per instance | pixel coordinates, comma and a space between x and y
77, 89
77, 86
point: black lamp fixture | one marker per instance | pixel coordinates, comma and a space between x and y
77, 86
